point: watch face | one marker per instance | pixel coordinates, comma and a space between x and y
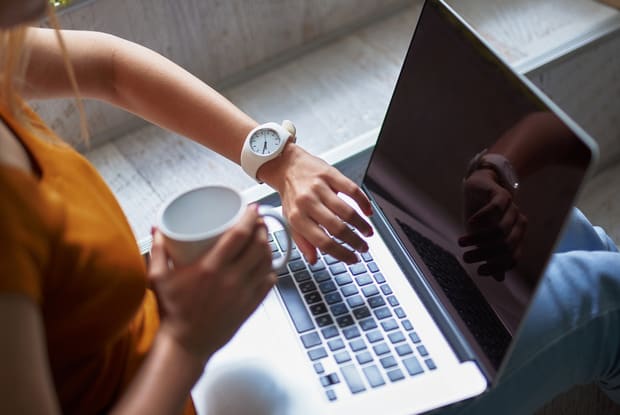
265, 141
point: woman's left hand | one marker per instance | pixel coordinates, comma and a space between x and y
309, 189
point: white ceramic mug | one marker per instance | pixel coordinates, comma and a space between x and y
192, 222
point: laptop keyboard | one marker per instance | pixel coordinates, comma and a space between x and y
350, 322
466, 298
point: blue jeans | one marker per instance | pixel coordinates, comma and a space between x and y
572, 332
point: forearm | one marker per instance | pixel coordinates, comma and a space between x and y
138, 80
163, 383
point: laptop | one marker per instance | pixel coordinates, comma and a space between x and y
414, 326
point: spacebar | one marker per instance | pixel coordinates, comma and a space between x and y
294, 304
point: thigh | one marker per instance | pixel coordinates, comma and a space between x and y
570, 336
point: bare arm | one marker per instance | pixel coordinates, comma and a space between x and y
140, 81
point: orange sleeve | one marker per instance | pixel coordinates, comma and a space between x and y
25, 236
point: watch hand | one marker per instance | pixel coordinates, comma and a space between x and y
265, 147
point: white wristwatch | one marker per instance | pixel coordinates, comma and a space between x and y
264, 143
499, 164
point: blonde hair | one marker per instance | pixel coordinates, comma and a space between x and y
13, 65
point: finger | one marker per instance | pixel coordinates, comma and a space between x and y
340, 183
158, 267
235, 240
485, 253
481, 238
344, 212
317, 237
307, 249
491, 213
496, 266
336, 227
256, 252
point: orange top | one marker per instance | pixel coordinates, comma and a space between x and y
66, 244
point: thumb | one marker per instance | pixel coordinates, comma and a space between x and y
158, 268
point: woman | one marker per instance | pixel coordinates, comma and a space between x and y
81, 333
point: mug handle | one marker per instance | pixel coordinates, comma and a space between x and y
266, 210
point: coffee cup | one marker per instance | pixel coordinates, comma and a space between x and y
192, 222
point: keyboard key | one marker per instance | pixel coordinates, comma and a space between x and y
273, 247
361, 312
393, 300
407, 325
396, 337
357, 269
331, 395
386, 289
400, 313
282, 240
329, 332
430, 364
351, 332
335, 344
364, 357
295, 266
363, 279
413, 366
301, 276
282, 270
356, 345
373, 267
352, 378
294, 255
368, 324
345, 321
374, 336
312, 297
324, 320
366, 256
422, 350
382, 313
379, 278
330, 380
318, 368
355, 301
389, 325
329, 260
414, 337
343, 279
376, 301
318, 353
317, 266
337, 269
369, 291
333, 298
404, 350
307, 286
342, 357
374, 376
321, 276
327, 287
388, 362
269, 237
294, 304
395, 375
311, 339
381, 349
318, 308
349, 290
338, 309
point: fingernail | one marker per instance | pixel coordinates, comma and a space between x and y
153, 229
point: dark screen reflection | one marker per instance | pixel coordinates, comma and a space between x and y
459, 124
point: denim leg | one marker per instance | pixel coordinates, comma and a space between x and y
580, 235
570, 336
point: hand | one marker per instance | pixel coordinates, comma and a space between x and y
494, 224
309, 190
203, 304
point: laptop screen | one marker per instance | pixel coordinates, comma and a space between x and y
461, 130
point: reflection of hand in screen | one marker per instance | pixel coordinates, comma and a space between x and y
495, 226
